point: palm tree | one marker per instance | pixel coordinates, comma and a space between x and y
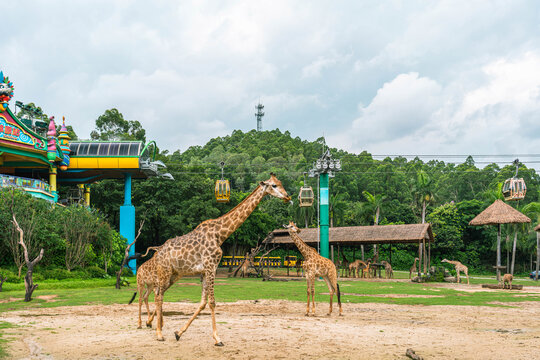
423, 191
336, 208
375, 203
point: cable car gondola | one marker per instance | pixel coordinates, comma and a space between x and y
305, 196
514, 188
223, 188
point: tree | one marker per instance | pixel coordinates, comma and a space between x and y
28, 279
80, 230
111, 126
375, 203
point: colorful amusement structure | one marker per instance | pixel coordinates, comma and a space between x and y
37, 161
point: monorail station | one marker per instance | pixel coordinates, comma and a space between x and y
37, 157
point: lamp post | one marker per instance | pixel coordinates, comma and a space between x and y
325, 167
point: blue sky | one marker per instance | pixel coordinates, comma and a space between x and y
389, 77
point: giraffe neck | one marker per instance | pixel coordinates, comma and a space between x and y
228, 223
305, 249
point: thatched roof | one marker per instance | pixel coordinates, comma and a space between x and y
362, 235
499, 213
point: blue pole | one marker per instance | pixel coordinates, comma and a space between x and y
127, 220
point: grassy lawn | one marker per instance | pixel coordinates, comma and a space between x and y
102, 291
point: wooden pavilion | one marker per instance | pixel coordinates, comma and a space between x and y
361, 235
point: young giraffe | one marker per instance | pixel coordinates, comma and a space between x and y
388, 272
459, 267
507, 279
146, 278
245, 265
355, 268
315, 265
199, 252
413, 268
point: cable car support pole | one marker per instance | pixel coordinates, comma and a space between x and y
324, 168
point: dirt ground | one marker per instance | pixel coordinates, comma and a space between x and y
279, 330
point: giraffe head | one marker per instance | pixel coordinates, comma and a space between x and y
274, 187
444, 260
292, 227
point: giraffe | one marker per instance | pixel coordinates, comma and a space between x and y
245, 265
413, 268
315, 265
365, 272
388, 272
146, 278
199, 252
507, 279
459, 267
355, 268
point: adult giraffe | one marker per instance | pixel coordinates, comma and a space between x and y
199, 252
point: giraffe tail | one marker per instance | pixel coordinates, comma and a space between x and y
338, 295
135, 294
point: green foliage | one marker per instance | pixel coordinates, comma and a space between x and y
111, 126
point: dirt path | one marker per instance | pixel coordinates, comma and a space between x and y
279, 330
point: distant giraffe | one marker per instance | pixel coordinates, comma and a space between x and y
245, 265
459, 267
388, 272
413, 268
299, 268
355, 268
507, 279
315, 265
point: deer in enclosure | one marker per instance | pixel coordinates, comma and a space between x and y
199, 252
413, 268
314, 266
388, 272
507, 279
459, 267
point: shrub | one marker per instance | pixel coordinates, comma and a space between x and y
58, 274
10, 276
95, 272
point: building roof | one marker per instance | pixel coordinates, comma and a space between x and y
362, 235
499, 213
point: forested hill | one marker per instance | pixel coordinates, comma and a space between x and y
452, 193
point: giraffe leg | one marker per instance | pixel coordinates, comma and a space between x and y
331, 290
150, 315
159, 314
308, 283
139, 291
202, 305
313, 297
212, 303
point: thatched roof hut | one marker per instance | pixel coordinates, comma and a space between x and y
499, 213
496, 214
362, 235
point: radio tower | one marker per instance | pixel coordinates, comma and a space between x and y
259, 115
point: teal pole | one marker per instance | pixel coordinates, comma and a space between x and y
324, 215
127, 220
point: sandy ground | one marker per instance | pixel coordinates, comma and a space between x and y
279, 330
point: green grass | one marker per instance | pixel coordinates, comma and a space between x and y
102, 291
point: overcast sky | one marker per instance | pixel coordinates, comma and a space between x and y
389, 77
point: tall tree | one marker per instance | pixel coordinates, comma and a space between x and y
111, 126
